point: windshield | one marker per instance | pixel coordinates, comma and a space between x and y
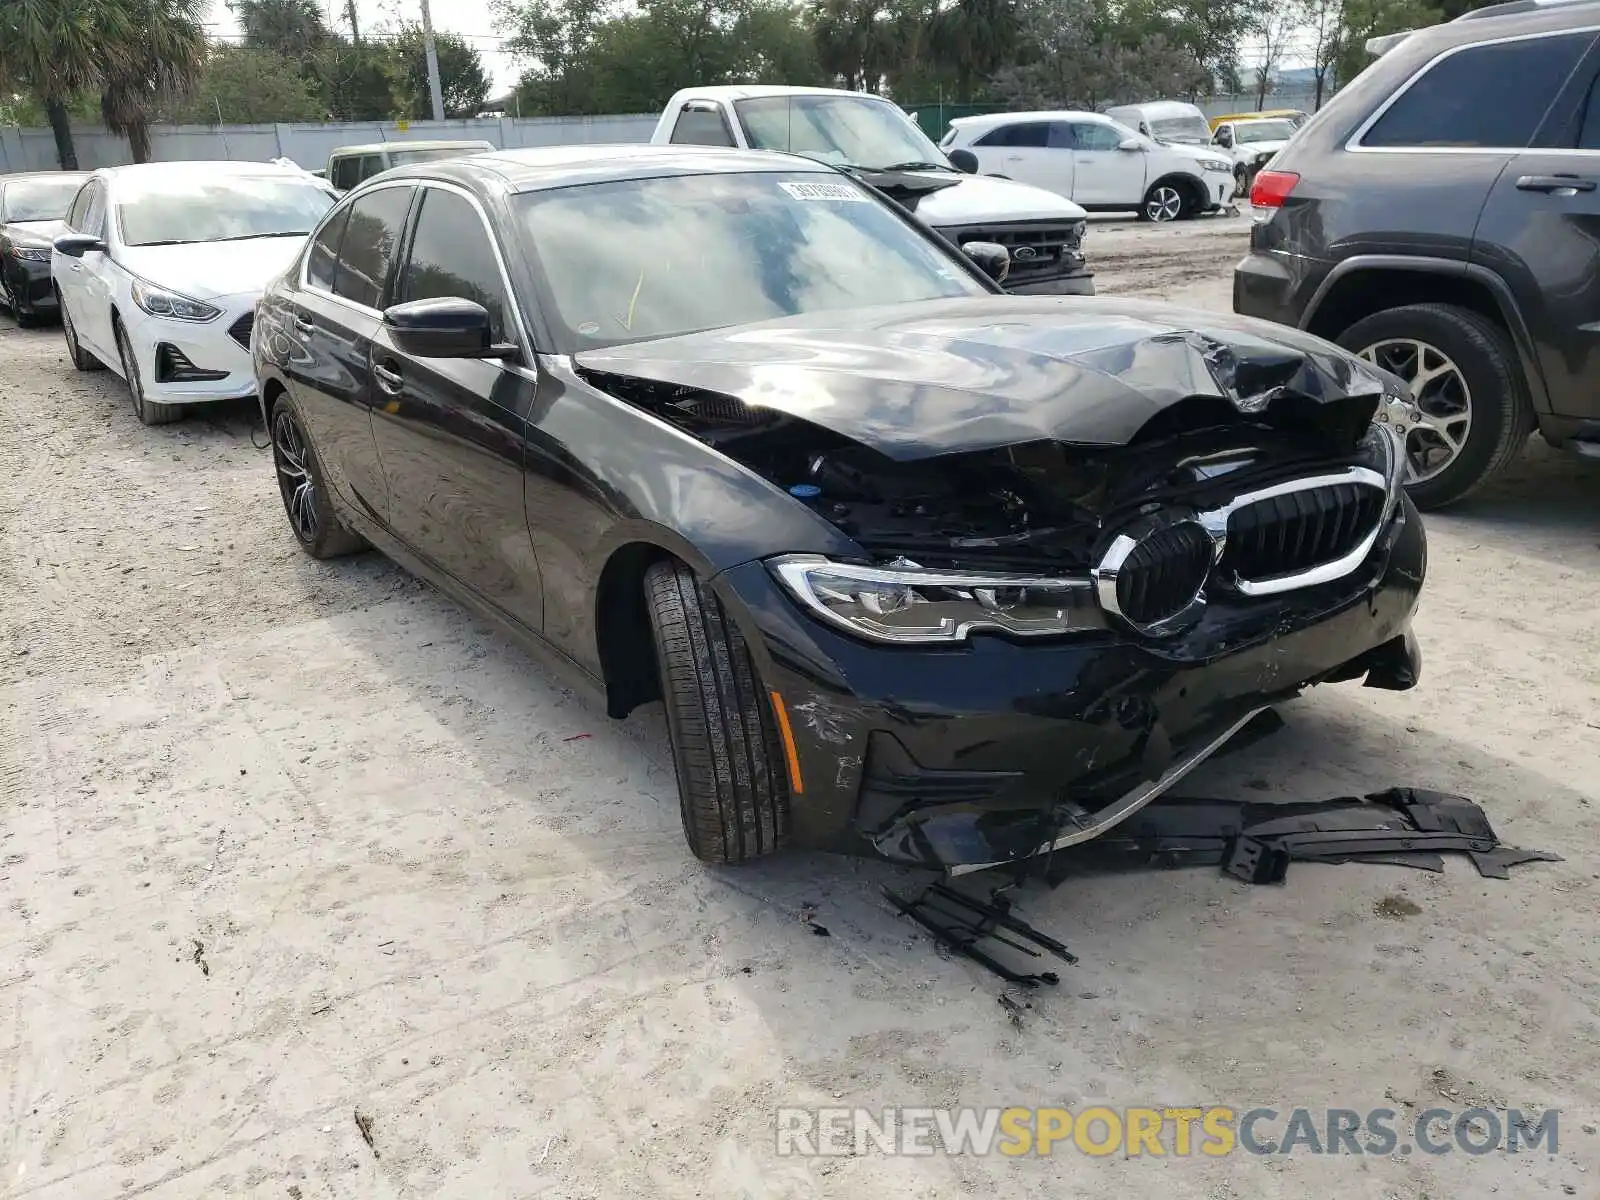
1193, 130
843, 130
398, 157
230, 208
1262, 131
649, 258
39, 199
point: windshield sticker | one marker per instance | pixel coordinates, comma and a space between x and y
825, 191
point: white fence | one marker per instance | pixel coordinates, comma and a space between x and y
307, 144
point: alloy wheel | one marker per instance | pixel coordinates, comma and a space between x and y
1442, 398
1163, 203
298, 485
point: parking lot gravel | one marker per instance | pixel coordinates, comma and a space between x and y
313, 886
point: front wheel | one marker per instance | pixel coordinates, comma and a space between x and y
1162, 203
727, 751
1473, 415
148, 413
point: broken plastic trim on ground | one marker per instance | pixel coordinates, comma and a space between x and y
1251, 841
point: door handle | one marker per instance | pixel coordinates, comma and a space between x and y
388, 379
1564, 184
303, 322
1013, 158
77, 267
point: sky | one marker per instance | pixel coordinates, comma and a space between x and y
470, 18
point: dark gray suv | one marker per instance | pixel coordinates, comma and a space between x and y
1441, 217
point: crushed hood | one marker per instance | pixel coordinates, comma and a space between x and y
955, 376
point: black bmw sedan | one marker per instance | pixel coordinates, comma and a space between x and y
32, 210
916, 567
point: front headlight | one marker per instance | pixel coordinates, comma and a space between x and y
32, 253
1384, 450
159, 302
903, 602
1216, 164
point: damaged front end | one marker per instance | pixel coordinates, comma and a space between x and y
1056, 609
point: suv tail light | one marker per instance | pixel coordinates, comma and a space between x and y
1272, 188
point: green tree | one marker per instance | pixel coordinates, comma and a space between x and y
292, 29
974, 39
1364, 19
356, 81
462, 80
57, 50
157, 67
247, 87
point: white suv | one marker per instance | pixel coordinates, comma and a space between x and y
1097, 163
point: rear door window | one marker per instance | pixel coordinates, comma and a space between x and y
322, 259
1020, 133
367, 250
1454, 103
701, 127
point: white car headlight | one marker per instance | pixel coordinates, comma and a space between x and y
903, 602
32, 253
159, 302
1216, 164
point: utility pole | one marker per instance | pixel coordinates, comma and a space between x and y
433, 63
355, 29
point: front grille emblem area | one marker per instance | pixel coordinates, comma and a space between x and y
1297, 534
1154, 574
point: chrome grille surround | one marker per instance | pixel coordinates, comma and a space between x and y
1109, 574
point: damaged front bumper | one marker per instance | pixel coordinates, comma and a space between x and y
994, 751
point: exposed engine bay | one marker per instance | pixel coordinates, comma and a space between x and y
1039, 505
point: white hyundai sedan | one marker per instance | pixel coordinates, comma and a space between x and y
162, 264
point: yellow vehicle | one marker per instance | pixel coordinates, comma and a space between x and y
1293, 115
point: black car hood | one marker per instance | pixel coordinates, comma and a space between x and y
954, 376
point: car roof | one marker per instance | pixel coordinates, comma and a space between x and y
199, 169
540, 167
1513, 19
1062, 114
19, 176
1156, 109
380, 147
752, 91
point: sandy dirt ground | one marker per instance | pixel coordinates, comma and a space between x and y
282, 842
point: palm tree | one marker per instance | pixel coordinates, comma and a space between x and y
55, 49
159, 65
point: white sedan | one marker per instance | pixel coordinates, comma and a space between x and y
161, 266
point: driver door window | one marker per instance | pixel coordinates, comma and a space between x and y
451, 257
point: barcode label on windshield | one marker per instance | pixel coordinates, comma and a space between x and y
824, 191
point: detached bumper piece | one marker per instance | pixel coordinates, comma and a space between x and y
1409, 827
961, 923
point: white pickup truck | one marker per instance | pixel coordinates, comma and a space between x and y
883, 147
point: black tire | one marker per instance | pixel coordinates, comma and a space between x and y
733, 791
79, 357
302, 485
148, 414
1156, 204
1501, 411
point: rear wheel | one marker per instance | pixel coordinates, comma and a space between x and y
729, 756
148, 413
1474, 413
303, 486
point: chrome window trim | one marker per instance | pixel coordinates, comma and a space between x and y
1353, 143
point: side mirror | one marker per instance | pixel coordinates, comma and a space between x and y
1130, 144
993, 259
76, 245
1225, 140
964, 161
447, 328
